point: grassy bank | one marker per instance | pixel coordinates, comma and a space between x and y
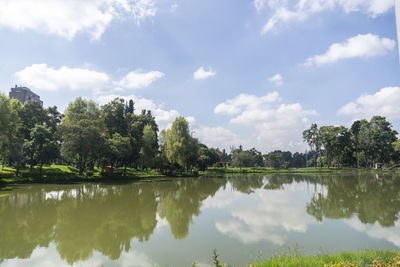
228, 170
371, 258
62, 173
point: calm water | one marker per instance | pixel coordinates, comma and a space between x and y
175, 222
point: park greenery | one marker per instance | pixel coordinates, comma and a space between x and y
87, 137
370, 258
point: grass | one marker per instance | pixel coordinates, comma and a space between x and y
371, 258
222, 170
64, 173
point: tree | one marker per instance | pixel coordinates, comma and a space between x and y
242, 158
43, 149
181, 147
31, 113
149, 146
355, 132
274, 159
136, 124
130, 108
382, 136
204, 157
312, 138
119, 150
114, 117
82, 130
11, 139
53, 119
375, 140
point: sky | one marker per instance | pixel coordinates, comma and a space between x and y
255, 73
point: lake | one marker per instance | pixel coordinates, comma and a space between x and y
174, 222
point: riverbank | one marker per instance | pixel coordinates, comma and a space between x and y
68, 174
315, 170
370, 258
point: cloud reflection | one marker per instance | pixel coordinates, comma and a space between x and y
272, 216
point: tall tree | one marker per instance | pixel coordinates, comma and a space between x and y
11, 139
149, 147
312, 138
31, 113
114, 117
43, 148
120, 150
130, 107
355, 136
136, 124
181, 147
81, 130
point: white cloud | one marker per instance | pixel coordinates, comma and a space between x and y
273, 125
244, 101
141, 9
49, 257
261, 4
276, 79
360, 46
271, 217
385, 102
217, 137
289, 11
202, 74
376, 231
67, 18
43, 77
174, 7
139, 79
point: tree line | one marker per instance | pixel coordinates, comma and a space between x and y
87, 135
364, 143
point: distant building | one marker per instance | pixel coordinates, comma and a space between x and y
25, 95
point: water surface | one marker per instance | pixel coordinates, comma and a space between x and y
174, 222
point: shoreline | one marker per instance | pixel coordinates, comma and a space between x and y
59, 174
371, 258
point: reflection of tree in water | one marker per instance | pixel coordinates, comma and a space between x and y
370, 199
26, 221
180, 201
277, 181
84, 218
247, 184
105, 220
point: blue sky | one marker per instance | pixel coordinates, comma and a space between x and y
255, 73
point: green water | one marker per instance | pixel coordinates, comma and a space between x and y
174, 222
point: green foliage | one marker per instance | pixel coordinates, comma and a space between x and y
119, 149
180, 147
312, 138
216, 259
10, 138
42, 148
149, 146
86, 136
361, 258
82, 130
114, 117
368, 142
246, 158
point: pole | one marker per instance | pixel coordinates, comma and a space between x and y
397, 11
